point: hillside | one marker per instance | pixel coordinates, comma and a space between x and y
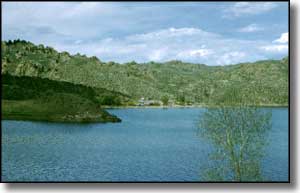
176, 82
34, 98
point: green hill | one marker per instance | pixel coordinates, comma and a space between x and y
34, 98
259, 83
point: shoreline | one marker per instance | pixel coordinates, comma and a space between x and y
186, 106
55, 120
87, 120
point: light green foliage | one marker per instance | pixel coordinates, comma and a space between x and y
238, 134
262, 83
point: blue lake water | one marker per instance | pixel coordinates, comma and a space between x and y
148, 145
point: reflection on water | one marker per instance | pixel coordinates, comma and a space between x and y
148, 145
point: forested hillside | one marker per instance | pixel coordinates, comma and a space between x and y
260, 83
34, 98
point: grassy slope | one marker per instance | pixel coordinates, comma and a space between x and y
261, 83
33, 98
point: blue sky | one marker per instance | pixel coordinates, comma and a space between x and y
213, 33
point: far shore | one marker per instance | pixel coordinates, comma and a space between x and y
186, 106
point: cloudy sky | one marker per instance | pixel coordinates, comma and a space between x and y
198, 32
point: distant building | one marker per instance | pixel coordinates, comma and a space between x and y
143, 102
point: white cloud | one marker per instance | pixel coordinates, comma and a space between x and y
276, 48
201, 52
87, 9
186, 44
125, 32
251, 28
195, 53
249, 8
231, 58
84, 20
279, 45
158, 54
284, 38
170, 33
78, 42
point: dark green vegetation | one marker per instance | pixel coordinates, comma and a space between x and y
239, 136
34, 98
175, 82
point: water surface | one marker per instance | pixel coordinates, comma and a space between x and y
148, 145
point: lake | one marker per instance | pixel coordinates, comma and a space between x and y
148, 145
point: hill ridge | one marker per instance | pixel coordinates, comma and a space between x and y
262, 82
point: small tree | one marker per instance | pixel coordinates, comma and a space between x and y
165, 100
181, 99
238, 135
